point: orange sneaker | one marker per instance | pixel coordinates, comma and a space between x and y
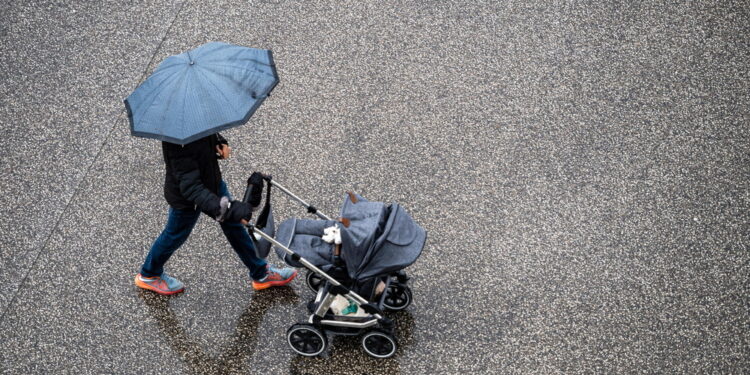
164, 284
275, 277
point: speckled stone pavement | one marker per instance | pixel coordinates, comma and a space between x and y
582, 168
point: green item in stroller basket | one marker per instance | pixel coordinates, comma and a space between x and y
351, 309
343, 306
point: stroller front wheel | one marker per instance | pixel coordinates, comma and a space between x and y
398, 297
379, 344
306, 340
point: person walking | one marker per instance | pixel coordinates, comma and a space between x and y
193, 184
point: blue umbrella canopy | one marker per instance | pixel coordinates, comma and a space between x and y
200, 92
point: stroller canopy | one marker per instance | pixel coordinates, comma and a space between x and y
380, 239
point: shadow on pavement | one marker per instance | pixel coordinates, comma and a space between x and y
242, 343
346, 353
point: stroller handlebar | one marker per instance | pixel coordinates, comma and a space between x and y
311, 209
254, 190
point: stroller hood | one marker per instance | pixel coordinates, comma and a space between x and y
379, 239
398, 246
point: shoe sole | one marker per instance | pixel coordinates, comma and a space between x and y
268, 284
147, 286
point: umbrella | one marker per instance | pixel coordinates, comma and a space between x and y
201, 92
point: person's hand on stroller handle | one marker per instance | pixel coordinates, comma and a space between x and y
234, 211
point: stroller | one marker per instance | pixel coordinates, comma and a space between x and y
355, 277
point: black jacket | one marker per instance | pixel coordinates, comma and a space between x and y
193, 175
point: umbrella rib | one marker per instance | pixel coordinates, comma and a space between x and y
184, 99
241, 68
239, 87
208, 60
163, 67
156, 95
172, 97
217, 89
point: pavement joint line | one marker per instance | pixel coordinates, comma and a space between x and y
77, 189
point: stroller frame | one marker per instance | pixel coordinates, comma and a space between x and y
310, 339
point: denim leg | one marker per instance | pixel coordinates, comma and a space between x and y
242, 243
179, 225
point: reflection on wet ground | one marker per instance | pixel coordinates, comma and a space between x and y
243, 341
343, 351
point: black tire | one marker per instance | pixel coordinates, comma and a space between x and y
314, 281
306, 340
379, 344
397, 297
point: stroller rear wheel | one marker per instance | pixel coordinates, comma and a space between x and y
398, 297
314, 281
306, 340
379, 344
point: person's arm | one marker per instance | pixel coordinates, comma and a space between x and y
188, 176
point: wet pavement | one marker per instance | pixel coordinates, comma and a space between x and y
582, 170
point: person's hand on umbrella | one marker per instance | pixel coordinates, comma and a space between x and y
223, 151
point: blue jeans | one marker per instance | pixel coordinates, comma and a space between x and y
179, 225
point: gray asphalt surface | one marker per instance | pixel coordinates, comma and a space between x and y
582, 169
